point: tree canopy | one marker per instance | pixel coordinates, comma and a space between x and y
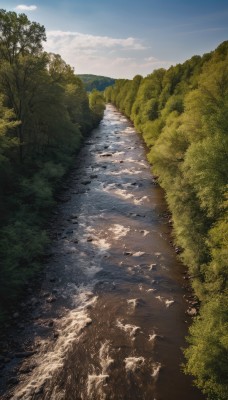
182, 114
96, 82
44, 115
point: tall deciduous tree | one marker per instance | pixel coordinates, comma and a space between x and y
20, 50
19, 36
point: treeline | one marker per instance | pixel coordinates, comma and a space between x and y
44, 115
97, 82
182, 114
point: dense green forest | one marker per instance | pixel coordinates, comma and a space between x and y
45, 113
97, 82
182, 114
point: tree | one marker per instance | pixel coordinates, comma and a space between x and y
7, 125
19, 36
182, 114
8, 147
208, 349
97, 105
44, 112
20, 53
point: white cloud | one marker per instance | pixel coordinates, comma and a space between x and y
151, 59
23, 7
155, 63
103, 55
85, 41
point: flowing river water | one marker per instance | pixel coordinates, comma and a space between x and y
111, 317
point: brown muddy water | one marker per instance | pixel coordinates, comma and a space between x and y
110, 319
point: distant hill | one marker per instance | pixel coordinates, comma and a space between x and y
96, 82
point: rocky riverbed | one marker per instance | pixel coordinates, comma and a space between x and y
107, 317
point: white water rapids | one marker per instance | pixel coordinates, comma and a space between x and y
110, 320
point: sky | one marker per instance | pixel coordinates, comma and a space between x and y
123, 38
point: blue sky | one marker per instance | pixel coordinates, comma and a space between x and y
122, 38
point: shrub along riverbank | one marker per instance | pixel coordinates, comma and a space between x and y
182, 114
45, 113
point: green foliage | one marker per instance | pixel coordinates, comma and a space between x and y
151, 131
19, 36
97, 105
208, 349
77, 103
182, 114
21, 244
7, 142
217, 271
97, 82
44, 114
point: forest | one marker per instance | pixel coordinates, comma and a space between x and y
182, 115
45, 113
97, 82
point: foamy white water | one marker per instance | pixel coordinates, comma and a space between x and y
101, 244
167, 302
135, 302
127, 171
96, 382
70, 329
131, 330
133, 363
95, 386
152, 337
119, 231
141, 163
124, 194
105, 359
129, 130
141, 200
155, 370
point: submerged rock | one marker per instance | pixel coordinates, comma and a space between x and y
86, 182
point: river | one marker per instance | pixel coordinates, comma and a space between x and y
110, 318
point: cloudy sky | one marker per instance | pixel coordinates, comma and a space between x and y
122, 38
